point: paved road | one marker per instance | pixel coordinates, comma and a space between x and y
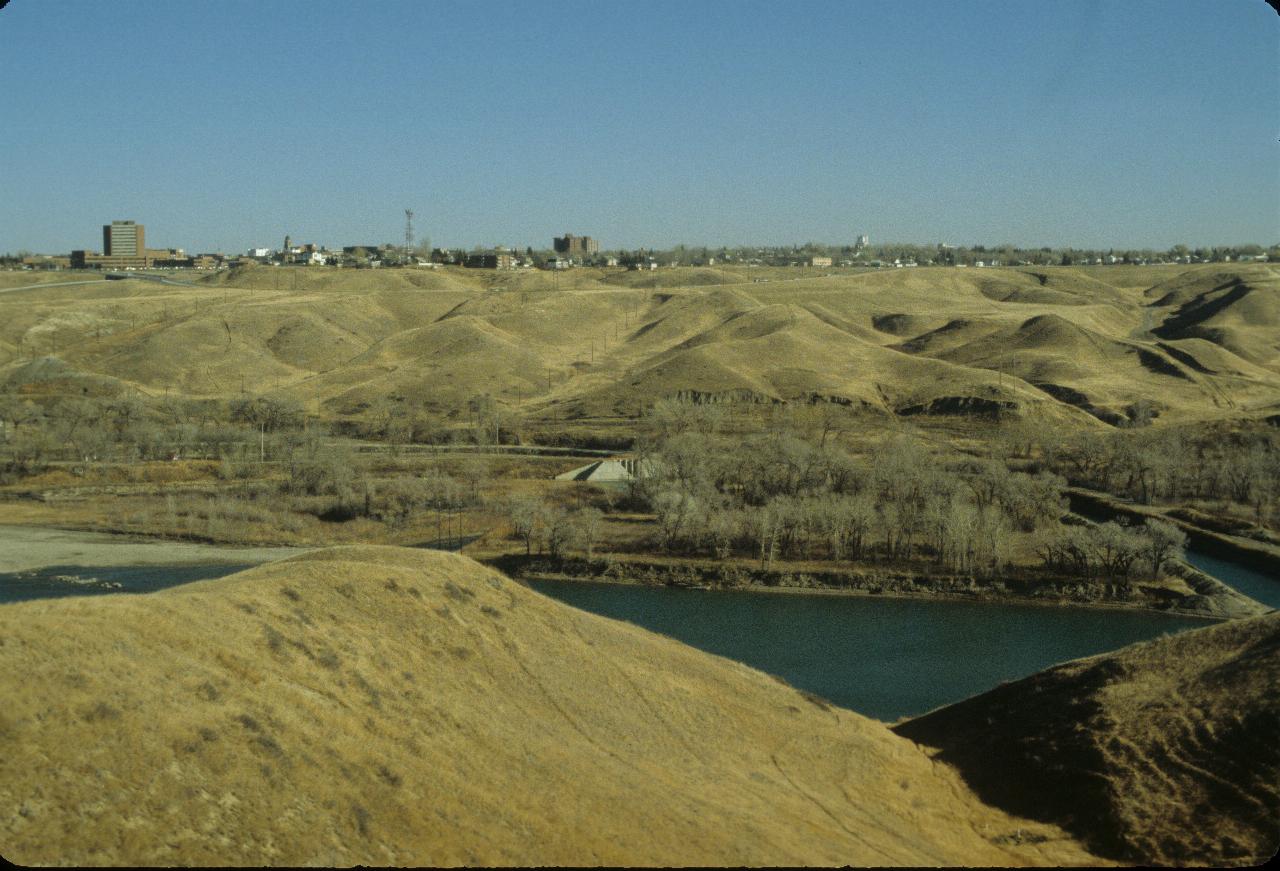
50, 284
159, 279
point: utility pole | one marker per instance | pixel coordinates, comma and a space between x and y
408, 233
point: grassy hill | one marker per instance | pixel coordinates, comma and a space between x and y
1200, 342
1237, 310
401, 707
1163, 752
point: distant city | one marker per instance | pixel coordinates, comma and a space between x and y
124, 248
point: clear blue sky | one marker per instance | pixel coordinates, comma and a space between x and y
222, 125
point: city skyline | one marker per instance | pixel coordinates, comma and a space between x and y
1085, 125
580, 246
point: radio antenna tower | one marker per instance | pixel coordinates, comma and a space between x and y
408, 233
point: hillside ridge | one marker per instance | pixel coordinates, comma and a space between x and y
379, 705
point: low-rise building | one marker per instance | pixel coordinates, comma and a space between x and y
45, 261
489, 260
82, 259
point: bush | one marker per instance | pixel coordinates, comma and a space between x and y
322, 471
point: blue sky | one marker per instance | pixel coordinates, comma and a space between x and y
229, 124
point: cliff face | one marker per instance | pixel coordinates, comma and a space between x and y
1164, 752
390, 706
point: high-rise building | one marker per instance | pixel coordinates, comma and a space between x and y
572, 245
864, 240
123, 239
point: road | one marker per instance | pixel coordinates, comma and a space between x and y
50, 284
159, 279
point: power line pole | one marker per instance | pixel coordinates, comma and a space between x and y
408, 233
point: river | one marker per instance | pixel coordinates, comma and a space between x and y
883, 657
51, 582
886, 658
1255, 584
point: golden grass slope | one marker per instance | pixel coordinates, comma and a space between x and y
401, 707
1236, 309
1051, 341
1165, 752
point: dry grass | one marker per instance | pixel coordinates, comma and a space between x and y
384, 706
603, 343
1164, 752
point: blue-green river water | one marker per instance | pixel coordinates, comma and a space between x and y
59, 581
1255, 584
886, 658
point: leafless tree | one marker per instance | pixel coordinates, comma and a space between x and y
587, 522
525, 516
1163, 541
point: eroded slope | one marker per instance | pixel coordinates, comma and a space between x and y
1164, 752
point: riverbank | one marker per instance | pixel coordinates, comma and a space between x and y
28, 548
1261, 555
1190, 594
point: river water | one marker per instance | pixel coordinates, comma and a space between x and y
886, 658
58, 581
1255, 584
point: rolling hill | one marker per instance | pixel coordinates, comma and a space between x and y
1164, 752
1053, 342
401, 707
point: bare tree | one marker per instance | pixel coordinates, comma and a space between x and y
1115, 548
475, 472
587, 522
1164, 541
559, 532
16, 411
525, 516
673, 416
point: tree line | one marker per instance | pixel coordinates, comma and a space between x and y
1171, 464
790, 493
